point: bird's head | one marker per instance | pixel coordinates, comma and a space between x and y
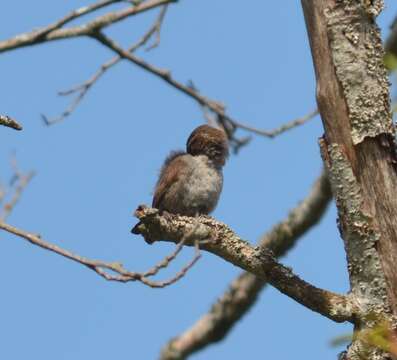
209, 141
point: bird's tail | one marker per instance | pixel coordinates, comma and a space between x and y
135, 230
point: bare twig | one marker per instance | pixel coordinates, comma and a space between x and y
73, 16
157, 28
243, 292
95, 27
82, 89
3, 192
19, 181
106, 269
281, 129
55, 32
166, 261
216, 107
161, 73
256, 260
9, 122
22, 181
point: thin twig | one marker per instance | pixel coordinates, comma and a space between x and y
102, 268
157, 28
3, 192
82, 89
166, 261
161, 73
23, 181
73, 16
54, 32
280, 129
191, 91
95, 27
18, 183
9, 122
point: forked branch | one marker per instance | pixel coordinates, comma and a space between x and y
115, 271
56, 31
220, 240
81, 90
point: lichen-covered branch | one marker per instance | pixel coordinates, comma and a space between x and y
359, 150
9, 122
243, 292
359, 234
220, 240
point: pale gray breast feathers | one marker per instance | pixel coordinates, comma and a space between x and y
204, 184
197, 189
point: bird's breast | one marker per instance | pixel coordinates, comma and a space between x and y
203, 186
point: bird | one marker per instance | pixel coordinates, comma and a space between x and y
191, 181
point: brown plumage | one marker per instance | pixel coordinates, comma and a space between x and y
169, 175
190, 182
209, 141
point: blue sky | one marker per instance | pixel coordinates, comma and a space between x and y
98, 165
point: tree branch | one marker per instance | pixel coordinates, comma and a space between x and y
359, 151
55, 32
94, 29
281, 129
70, 17
229, 124
9, 122
23, 181
244, 290
18, 183
218, 239
82, 89
121, 274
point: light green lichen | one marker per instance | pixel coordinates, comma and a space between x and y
360, 236
357, 52
368, 283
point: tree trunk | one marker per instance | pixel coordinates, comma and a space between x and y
358, 149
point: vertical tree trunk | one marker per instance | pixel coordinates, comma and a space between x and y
358, 149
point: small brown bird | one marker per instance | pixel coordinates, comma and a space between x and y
190, 182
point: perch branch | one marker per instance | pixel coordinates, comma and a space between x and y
221, 241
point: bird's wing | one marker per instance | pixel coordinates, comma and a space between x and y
169, 175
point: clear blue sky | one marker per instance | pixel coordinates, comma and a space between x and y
98, 165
